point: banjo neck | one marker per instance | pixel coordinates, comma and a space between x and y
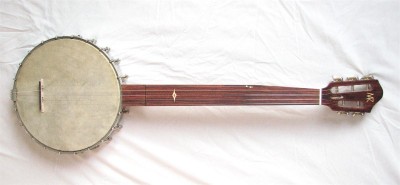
217, 95
350, 96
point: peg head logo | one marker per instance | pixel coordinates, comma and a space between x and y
370, 97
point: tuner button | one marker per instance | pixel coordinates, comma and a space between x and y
352, 78
358, 114
367, 77
337, 79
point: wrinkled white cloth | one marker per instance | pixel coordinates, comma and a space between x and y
286, 43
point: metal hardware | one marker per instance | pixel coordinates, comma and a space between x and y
123, 77
125, 110
107, 139
94, 41
76, 36
13, 95
117, 127
358, 114
351, 113
352, 78
367, 77
115, 61
106, 49
94, 147
337, 79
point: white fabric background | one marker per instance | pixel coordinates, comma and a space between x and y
288, 43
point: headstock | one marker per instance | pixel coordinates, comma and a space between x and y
353, 95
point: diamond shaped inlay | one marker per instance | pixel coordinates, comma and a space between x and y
174, 95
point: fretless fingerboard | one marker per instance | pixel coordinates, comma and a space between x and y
214, 95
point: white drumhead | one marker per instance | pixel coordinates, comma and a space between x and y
81, 94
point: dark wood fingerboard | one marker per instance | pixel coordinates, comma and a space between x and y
214, 95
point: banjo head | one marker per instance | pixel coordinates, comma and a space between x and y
67, 94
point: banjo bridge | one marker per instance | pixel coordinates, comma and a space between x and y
41, 95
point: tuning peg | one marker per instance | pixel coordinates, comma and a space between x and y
337, 79
342, 112
358, 114
352, 78
367, 77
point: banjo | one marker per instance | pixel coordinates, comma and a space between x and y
63, 77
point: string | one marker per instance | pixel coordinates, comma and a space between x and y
248, 96
183, 90
320, 96
244, 90
200, 96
